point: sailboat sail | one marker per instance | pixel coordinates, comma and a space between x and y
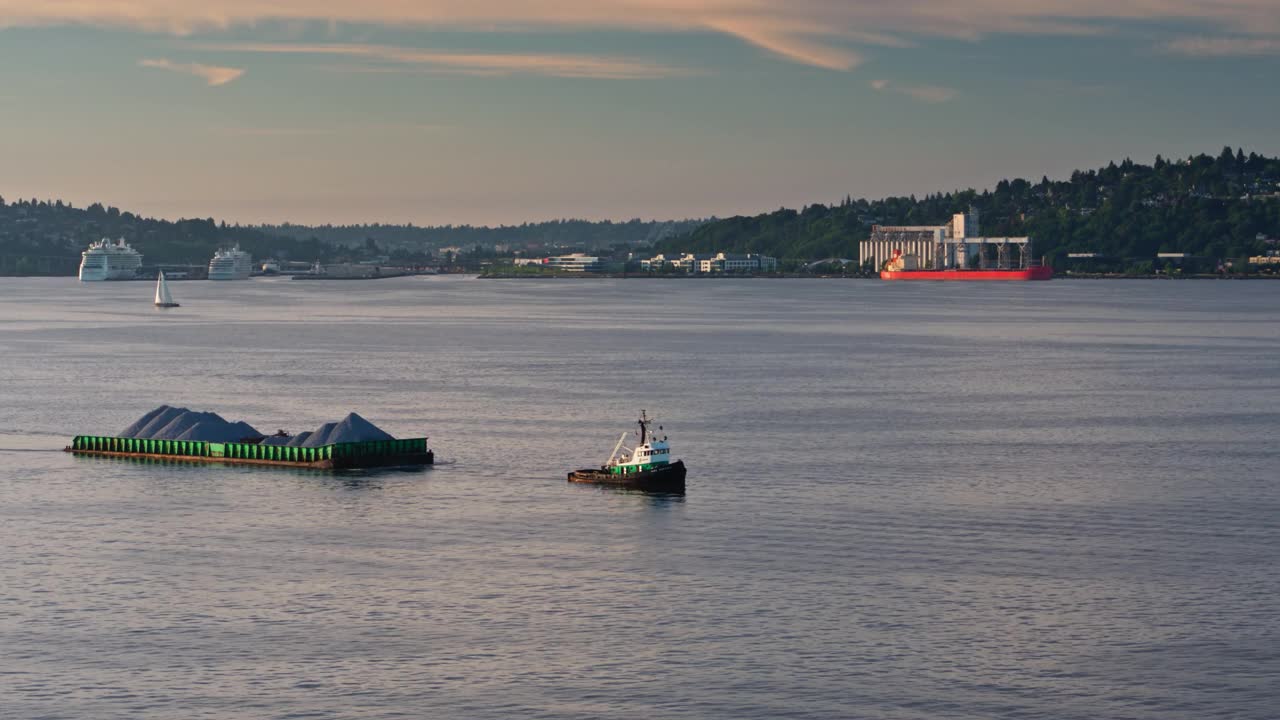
163, 298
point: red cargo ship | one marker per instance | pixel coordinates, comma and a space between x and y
901, 268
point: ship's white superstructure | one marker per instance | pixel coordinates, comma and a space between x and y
649, 454
107, 260
231, 264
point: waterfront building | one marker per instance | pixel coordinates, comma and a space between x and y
347, 271
685, 262
574, 262
732, 263
712, 264
688, 262
957, 244
920, 241
915, 241
657, 262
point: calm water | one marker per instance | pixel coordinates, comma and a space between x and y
905, 501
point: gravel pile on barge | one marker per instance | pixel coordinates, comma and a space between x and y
351, 428
171, 423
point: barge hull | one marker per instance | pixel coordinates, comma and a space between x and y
669, 478
339, 456
414, 459
1034, 273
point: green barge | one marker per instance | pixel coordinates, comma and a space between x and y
339, 456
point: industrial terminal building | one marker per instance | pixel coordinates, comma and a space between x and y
958, 244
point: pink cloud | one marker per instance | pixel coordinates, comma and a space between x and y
812, 32
213, 75
795, 41
557, 65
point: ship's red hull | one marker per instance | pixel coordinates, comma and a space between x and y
1035, 273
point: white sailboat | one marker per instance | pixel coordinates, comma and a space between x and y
163, 298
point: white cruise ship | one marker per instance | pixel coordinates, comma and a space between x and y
231, 264
106, 260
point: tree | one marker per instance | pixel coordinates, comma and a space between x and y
1129, 210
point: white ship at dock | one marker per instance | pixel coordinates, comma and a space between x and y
231, 264
107, 260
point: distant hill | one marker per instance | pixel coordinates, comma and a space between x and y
1204, 205
1211, 206
580, 234
46, 237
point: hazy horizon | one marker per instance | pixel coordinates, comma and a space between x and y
543, 220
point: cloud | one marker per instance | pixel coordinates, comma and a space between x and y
789, 43
1224, 46
272, 131
380, 128
394, 58
932, 94
214, 75
819, 33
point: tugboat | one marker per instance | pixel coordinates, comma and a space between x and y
647, 467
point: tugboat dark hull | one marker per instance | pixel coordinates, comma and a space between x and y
668, 478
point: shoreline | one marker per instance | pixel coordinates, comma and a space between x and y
648, 276
805, 276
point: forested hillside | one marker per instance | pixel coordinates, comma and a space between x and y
41, 237
1204, 205
46, 238
580, 234
1226, 206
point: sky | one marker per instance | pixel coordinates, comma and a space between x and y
504, 111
